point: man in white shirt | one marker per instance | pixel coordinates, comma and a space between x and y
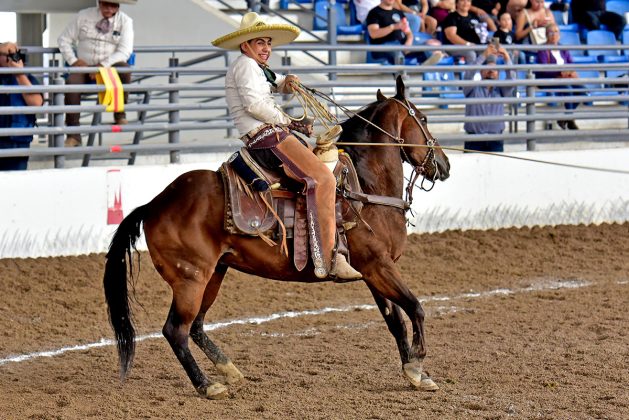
363, 7
99, 36
265, 129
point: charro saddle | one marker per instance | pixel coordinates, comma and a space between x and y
265, 203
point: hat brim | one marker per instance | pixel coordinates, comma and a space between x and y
280, 34
123, 1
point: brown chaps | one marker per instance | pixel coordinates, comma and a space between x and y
301, 164
74, 98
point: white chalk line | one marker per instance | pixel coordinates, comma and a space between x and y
539, 286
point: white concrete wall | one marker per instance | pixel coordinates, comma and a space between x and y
64, 212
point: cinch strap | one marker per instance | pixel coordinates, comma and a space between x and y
113, 97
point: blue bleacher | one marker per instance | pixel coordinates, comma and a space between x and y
601, 37
284, 3
320, 21
571, 38
617, 6
445, 92
594, 89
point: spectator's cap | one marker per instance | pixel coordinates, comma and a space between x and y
491, 59
252, 26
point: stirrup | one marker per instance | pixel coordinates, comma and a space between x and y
344, 272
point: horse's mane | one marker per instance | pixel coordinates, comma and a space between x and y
355, 127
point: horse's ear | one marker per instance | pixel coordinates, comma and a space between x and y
399, 87
380, 96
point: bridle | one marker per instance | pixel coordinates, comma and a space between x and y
418, 170
430, 158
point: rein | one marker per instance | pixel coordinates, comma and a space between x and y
418, 170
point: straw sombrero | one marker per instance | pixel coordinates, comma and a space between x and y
252, 26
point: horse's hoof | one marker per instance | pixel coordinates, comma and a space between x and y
421, 381
216, 391
230, 372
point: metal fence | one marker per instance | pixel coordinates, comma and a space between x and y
184, 96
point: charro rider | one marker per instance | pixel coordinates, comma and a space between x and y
264, 128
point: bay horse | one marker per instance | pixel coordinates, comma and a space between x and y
191, 250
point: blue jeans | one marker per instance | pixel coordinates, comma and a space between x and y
13, 163
485, 146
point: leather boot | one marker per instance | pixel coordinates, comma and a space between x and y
344, 271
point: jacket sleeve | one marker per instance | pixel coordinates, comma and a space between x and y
68, 40
255, 100
469, 75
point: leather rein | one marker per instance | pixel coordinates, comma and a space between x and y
418, 170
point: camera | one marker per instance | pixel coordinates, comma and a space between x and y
17, 56
496, 42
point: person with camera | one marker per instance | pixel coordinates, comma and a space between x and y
481, 107
99, 36
11, 56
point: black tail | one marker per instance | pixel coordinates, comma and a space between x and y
115, 283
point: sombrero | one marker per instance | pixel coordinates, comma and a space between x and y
252, 26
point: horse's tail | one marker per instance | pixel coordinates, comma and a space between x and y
115, 284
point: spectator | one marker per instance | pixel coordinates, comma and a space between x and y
254, 5
463, 27
99, 36
560, 57
489, 7
11, 56
440, 9
593, 13
414, 20
505, 36
388, 26
363, 7
480, 107
534, 16
420, 8
504, 33
514, 7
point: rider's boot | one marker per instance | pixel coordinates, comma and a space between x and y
344, 271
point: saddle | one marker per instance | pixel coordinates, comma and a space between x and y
267, 204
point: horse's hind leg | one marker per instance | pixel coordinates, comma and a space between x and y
187, 298
223, 364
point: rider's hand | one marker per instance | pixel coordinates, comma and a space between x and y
289, 82
305, 126
79, 63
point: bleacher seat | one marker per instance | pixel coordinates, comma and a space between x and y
601, 37
411, 61
559, 17
617, 6
625, 38
445, 92
284, 3
320, 21
571, 38
594, 89
570, 27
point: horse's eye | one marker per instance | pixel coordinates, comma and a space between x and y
424, 120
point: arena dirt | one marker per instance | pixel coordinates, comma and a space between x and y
534, 352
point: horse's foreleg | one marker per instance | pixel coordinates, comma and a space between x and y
187, 294
384, 280
221, 361
393, 317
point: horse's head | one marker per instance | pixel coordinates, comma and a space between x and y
412, 129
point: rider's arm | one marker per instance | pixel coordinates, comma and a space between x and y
255, 95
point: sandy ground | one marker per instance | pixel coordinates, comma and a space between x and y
535, 326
